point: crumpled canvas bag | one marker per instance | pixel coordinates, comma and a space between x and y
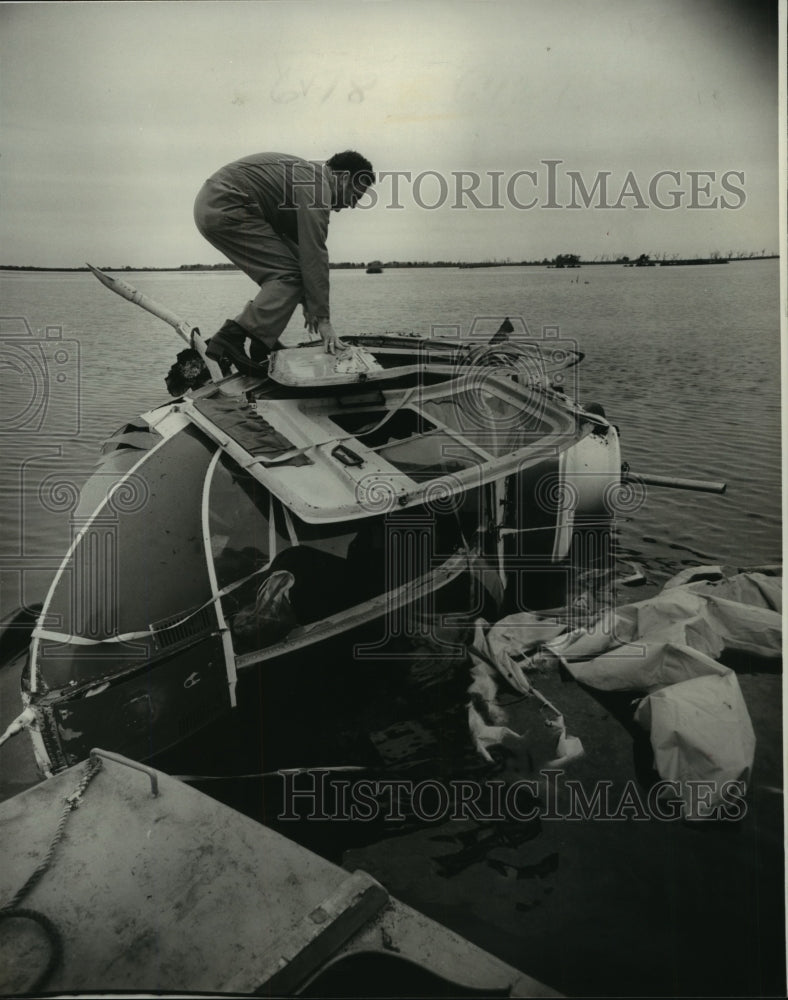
700, 733
694, 711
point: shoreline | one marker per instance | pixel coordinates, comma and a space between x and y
396, 265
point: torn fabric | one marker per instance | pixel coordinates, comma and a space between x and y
498, 655
667, 646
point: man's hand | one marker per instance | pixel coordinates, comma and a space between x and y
331, 341
324, 329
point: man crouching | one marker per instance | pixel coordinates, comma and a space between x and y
268, 213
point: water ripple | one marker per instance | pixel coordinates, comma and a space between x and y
686, 362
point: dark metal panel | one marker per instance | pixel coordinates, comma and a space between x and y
139, 560
149, 711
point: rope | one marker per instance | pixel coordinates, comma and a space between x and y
72, 802
13, 911
53, 936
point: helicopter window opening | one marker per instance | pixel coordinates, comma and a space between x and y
410, 442
404, 423
490, 419
430, 456
246, 528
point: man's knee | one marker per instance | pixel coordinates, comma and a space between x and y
290, 281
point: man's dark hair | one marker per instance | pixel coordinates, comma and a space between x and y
358, 166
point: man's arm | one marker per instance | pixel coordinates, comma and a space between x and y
312, 199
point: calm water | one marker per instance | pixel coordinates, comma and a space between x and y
685, 361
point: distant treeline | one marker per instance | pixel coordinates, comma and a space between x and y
560, 261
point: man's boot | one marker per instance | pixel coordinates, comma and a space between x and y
229, 343
260, 352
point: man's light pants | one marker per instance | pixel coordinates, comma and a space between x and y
230, 221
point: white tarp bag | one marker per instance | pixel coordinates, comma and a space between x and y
702, 739
698, 723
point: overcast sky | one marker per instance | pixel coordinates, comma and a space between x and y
114, 113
